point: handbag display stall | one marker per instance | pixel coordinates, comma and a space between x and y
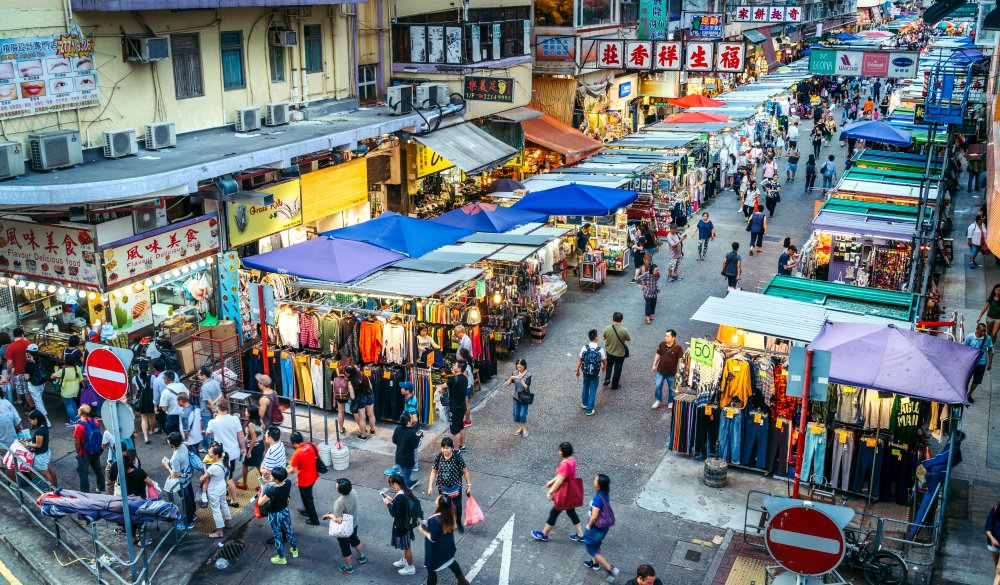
343, 530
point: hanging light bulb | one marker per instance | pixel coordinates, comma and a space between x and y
185, 270
30, 286
474, 317
175, 273
104, 298
61, 290
22, 284
157, 279
497, 298
82, 294
202, 264
52, 288
209, 260
148, 282
92, 295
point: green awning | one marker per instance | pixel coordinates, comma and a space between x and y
754, 36
891, 211
868, 301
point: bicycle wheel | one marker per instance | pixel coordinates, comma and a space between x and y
885, 568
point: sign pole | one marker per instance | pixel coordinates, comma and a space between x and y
263, 328
803, 415
115, 431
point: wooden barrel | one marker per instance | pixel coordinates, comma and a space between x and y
716, 472
538, 333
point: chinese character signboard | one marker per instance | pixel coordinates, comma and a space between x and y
609, 54
793, 14
60, 253
698, 56
555, 48
730, 57
426, 161
759, 14
667, 56
489, 89
875, 63
767, 14
638, 54
133, 259
654, 19
247, 223
46, 74
706, 26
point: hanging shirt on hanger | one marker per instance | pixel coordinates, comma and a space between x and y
287, 321
735, 381
877, 409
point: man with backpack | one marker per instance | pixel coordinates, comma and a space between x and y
303, 463
191, 428
590, 363
168, 401
829, 171
89, 441
37, 377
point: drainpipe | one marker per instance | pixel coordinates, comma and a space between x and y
379, 71
352, 78
293, 73
302, 64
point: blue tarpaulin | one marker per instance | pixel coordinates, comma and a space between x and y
575, 199
875, 131
326, 259
407, 235
487, 217
846, 37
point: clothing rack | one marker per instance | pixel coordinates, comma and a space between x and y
330, 308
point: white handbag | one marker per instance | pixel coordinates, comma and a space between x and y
343, 530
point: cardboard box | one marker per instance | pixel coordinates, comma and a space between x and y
185, 355
225, 331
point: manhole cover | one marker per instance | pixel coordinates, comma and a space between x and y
230, 551
688, 555
693, 556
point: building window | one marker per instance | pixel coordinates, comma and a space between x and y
367, 82
276, 58
185, 53
232, 60
314, 48
629, 12
594, 12
554, 13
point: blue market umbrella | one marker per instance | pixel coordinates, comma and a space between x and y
846, 37
874, 131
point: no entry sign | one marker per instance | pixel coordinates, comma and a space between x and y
805, 541
107, 374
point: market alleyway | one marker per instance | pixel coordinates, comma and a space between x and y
625, 439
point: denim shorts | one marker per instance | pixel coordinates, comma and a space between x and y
592, 539
42, 460
366, 400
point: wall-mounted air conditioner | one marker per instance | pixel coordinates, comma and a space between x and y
11, 160
400, 99
56, 149
277, 114
146, 49
150, 219
283, 38
160, 135
345, 9
247, 119
429, 95
119, 143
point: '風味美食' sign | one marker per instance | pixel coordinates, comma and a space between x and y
153, 252
57, 253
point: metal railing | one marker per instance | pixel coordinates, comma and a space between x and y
94, 544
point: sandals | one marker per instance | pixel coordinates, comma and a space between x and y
216, 534
241, 486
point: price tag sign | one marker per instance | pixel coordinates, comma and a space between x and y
708, 410
702, 351
756, 418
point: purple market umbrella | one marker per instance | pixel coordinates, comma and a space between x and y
875, 131
886, 358
326, 259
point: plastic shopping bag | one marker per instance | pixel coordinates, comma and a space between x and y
473, 513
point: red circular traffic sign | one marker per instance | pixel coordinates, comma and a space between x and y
107, 374
805, 541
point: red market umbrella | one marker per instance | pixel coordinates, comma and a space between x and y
695, 101
696, 118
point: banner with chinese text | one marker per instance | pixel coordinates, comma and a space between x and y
150, 253
654, 19
723, 56
706, 26
489, 89
46, 74
59, 253
767, 14
247, 223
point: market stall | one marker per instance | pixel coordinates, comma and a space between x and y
887, 160
886, 304
551, 144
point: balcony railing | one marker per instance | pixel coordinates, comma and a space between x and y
458, 43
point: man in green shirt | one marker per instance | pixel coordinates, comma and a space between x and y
615, 337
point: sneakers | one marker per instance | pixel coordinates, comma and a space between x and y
400, 563
656, 405
279, 560
583, 406
414, 485
592, 565
362, 559
517, 432
349, 569
539, 536
576, 538
408, 570
295, 553
462, 449
416, 469
524, 434
612, 575
590, 413
392, 470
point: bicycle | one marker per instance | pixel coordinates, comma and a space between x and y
879, 567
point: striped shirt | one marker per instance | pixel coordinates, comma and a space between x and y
275, 457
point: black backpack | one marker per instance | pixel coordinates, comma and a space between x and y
414, 513
590, 363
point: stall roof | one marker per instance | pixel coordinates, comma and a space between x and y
562, 138
597, 168
538, 229
776, 316
754, 36
409, 283
576, 199
874, 209
869, 301
513, 253
644, 156
509, 238
407, 235
735, 113
462, 253
468, 147
519, 114
707, 127
421, 265
865, 225
882, 190
553, 180
659, 140
324, 258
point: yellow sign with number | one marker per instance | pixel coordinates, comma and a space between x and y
702, 351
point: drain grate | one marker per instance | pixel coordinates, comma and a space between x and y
230, 551
693, 556
688, 555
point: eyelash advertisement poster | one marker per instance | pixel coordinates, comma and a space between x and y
46, 74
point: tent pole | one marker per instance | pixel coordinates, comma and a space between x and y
956, 418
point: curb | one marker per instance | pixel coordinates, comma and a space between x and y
38, 569
720, 555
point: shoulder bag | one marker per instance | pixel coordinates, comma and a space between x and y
615, 330
343, 530
569, 495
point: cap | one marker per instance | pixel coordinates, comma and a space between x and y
263, 379
406, 386
33, 347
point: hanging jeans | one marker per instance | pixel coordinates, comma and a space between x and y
287, 375
706, 431
755, 440
815, 454
868, 467
730, 433
777, 446
899, 464
843, 455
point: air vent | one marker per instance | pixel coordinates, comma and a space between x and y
247, 119
283, 38
160, 135
277, 114
119, 143
400, 99
146, 49
55, 150
11, 160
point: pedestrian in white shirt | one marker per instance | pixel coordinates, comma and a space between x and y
976, 235
227, 430
168, 401
793, 135
213, 483
190, 423
274, 454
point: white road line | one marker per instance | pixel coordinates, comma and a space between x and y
506, 535
806, 541
105, 374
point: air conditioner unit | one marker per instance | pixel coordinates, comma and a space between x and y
119, 143
299, 12
346, 10
146, 49
56, 149
247, 119
277, 114
150, 219
400, 99
160, 135
11, 160
429, 95
283, 38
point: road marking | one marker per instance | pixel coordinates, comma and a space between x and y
106, 374
8, 576
506, 535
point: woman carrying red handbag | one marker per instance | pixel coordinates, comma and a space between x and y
566, 493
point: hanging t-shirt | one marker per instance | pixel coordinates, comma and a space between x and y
904, 420
735, 382
877, 409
